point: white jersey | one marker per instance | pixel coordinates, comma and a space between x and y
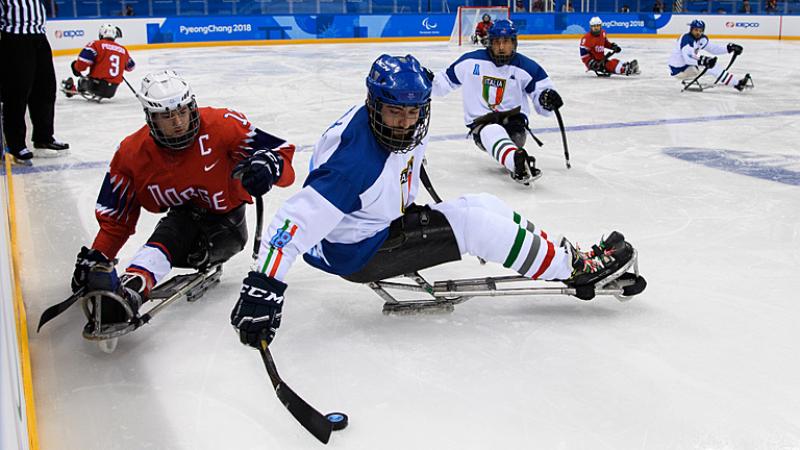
354, 190
489, 88
687, 50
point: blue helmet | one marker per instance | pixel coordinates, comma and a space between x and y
697, 24
398, 81
502, 28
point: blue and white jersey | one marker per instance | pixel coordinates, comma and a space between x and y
490, 88
354, 190
687, 50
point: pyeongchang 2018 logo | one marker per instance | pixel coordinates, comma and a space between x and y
69, 34
742, 24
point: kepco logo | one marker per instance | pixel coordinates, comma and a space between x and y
742, 24
69, 34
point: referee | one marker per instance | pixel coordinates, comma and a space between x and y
28, 79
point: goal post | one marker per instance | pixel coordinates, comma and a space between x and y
468, 17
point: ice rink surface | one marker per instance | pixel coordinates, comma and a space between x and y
706, 186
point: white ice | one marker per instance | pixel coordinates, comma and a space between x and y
706, 357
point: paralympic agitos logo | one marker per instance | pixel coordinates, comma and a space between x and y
742, 24
69, 34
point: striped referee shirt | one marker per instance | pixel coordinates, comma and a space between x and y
22, 16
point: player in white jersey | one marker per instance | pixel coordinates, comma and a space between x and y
355, 216
497, 84
686, 60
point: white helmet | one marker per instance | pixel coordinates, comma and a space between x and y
595, 21
108, 31
167, 92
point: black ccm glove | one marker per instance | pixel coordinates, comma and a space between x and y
616, 48
87, 258
736, 49
550, 100
259, 172
707, 61
257, 314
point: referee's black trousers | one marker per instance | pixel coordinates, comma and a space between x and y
28, 81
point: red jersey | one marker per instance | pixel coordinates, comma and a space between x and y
594, 47
107, 59
144, 175
482, 29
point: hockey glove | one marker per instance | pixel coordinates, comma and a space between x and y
707, 61
428, 73
550, 100
596, 65
87, 258
736, 49
257, 314
259, 172
616, 48
75, 71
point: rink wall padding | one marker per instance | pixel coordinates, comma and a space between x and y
68, 36
17, 410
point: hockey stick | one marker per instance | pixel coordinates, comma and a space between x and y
136, 94
730, 63
426, 181
259, 225
53, 311
563, 136
312, 420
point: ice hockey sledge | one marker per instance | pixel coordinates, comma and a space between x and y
189, 286
442, 296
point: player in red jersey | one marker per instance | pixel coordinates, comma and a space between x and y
182, 163
106, 60
593, 53
482, 30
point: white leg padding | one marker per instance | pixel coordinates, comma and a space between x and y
499, 145
153, 260
484, 226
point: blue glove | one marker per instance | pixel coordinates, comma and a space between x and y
259, 172
257, 314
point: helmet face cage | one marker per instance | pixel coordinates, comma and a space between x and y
502, 29
596, 22
174, 142
398, 140
501, 60
486, 16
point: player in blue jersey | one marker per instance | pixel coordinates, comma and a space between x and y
686, 61
497, 84
356, 217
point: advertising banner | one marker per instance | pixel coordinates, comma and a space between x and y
727, 25
72, 34
300, 26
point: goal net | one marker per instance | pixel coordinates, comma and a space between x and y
469, 16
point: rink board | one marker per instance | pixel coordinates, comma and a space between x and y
67, 36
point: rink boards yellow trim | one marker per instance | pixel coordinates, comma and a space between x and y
20, 315
529, 37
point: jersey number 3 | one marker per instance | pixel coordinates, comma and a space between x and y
113, 70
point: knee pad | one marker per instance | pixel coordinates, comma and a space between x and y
517, 128
421, 238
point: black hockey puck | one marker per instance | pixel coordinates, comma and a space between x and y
338, 420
